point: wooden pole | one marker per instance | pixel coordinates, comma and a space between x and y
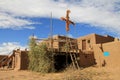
51, 41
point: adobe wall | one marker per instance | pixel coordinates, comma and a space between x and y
103, 39
86, 60
93, 39
24, 60
89, 45
59, 42
62, 41
21, 60
113, 59
17, 60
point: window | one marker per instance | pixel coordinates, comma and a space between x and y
88, 41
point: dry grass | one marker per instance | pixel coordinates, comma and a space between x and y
86, 74
69, 74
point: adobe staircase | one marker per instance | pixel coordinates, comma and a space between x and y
5, 62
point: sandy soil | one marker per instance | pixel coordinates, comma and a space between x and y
84, 74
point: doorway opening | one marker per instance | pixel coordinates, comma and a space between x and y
62, 61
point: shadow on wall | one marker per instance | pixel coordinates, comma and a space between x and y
104, 63
24, 60
87, 60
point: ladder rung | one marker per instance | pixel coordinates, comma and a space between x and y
73, 56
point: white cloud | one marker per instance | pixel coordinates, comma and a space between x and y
9, 21
100, 13
7, 47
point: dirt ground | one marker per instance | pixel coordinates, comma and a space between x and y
90, 73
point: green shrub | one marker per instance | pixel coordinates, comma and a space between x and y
40, 59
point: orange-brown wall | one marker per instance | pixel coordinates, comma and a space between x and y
94, 39
17, 60
21, 60
59, 42
103, 39
24, 60
87, 60
90, 37
113, 59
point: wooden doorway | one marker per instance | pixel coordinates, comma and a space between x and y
83, 44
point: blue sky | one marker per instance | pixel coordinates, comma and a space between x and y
19, 19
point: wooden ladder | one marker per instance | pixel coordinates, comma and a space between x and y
74, 56
6, 60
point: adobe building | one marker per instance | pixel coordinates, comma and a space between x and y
90, 50
17, 60
21, 60
96, 46
113, 57
58, 42
86, 42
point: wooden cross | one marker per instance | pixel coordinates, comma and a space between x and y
68, 21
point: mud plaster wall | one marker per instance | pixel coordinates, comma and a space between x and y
24, 60
86, 60
103, 39
113, 59
17, 60
21, 60
59, 42
93, 39
90, 37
